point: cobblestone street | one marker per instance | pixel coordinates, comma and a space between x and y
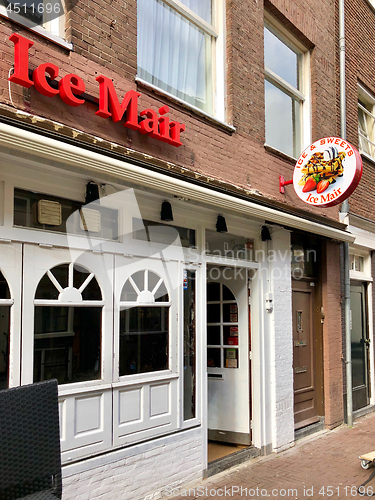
317, 467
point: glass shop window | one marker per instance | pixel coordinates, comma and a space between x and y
5, 305
67, 325
159, 232
189, 344
305, 258
229, 246
144, 324
49, 213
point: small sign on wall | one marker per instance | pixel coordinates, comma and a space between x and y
327, 172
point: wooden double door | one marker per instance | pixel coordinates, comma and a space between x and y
307, 353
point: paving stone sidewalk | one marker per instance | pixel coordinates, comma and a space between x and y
322, 466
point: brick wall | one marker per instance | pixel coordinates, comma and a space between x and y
143, 476
360, 68
332, 334
104, 47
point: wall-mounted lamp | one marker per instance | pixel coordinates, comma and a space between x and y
265, 234
92, 192
166, 212
221, 224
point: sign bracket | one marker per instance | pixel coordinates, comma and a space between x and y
283, 183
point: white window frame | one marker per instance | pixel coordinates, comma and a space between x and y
302, 96
369, 135
53, 30
218, 79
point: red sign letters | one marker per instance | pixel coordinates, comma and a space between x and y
71, 86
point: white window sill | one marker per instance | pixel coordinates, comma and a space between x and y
273, 150
186, 105
35, 29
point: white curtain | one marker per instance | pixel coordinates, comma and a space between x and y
174, 54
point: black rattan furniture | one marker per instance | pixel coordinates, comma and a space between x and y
30, 462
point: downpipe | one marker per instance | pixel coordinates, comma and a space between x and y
345, 210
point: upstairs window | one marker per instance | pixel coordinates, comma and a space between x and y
366, 123
287, 114
178, 48
40, 15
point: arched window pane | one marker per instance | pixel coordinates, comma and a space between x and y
213, 291
144, 280
46, 289
67, 343
161, 294
4, 288
153, 280
227, 294
128, 293
80, 274
92, 291
61, 273
143, 340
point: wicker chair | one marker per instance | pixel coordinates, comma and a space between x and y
30, 461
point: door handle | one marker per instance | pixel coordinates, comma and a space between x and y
367, 341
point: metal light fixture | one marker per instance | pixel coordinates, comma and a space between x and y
166, 212
265, 234
92, 192
221, 224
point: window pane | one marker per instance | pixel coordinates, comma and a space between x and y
67, 343
4, 346
213, 357
189, 347
279, 119
231, 358
173, 54
29, 9
26, 215
143, 340
280, 59
230, 335
229, 245
4, 288
213, 313
158, 232
200, 7
363, 132
213, 335
213, 291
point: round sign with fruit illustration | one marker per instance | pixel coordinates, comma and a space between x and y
327, 172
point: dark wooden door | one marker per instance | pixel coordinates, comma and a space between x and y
305, 391
360, 345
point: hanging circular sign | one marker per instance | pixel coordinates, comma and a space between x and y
327, 172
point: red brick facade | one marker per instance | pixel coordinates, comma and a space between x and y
360, 69
103, 46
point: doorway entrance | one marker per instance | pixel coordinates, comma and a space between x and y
228, 359
306, 359
360, 345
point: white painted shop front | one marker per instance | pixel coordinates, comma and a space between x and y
156, 342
